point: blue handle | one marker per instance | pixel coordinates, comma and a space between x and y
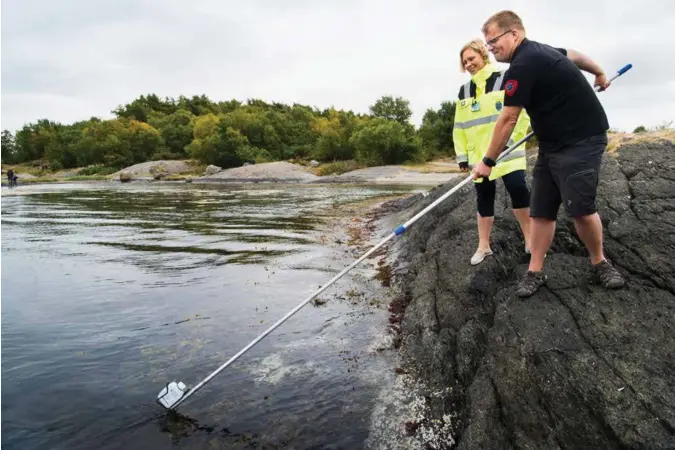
625, 69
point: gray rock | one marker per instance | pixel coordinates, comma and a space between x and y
159, 171
126, 176
211, 170
314, 163
574, 366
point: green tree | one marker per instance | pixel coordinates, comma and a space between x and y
381, 141
117, 143
176, 130
8, 147
198, 105
256, 126
217, 143
391, 108
141, 108
34, 138
333, 138
435, 133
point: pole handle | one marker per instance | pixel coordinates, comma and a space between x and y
625, 69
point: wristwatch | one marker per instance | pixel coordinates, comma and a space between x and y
489, 162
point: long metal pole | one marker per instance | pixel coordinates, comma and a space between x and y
398, 231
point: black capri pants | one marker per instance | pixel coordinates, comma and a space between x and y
515, 185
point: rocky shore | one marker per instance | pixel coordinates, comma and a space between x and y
575, 366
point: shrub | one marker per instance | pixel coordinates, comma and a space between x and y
338, 167
98, 169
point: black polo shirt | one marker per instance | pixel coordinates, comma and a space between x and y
561, 103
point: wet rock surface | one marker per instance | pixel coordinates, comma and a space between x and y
574, 366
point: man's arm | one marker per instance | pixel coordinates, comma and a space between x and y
503, 128
500, 137
586, 64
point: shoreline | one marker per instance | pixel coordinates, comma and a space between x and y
424, 182
280, 172
403, 415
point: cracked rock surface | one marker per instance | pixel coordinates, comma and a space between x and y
575, 366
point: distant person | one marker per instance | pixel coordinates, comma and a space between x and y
11, 178
480, 101
571, 126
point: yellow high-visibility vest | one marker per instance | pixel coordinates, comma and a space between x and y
475, 116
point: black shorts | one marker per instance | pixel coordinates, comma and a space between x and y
568, 176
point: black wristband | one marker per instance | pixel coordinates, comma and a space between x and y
489, 162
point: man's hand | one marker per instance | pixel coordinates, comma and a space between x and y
601, 81
464, 166
481, 170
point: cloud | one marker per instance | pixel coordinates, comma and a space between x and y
74, 59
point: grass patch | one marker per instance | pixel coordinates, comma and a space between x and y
618, 140
445, 165
337, 167
178, 176
87, 178
197, 168
97, 170
28, 168
52, 179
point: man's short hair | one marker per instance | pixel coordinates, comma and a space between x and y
505, 20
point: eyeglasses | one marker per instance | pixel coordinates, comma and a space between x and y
494, 40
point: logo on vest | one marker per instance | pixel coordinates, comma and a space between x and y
462, 103
499, 105
511, 87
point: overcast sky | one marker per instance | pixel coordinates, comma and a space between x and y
68, 60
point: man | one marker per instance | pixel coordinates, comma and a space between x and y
571, 127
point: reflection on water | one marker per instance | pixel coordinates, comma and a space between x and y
111, 291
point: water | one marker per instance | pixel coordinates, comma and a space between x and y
111, 291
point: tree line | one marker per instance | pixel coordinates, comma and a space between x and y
230, 133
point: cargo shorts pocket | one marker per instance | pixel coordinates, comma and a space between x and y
579, 193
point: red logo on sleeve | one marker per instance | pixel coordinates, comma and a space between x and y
511, 87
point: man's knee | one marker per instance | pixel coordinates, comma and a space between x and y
585, 219
542, 221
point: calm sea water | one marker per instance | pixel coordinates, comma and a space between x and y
111, 291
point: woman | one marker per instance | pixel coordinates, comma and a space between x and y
479, 104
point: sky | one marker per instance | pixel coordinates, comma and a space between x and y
69, 60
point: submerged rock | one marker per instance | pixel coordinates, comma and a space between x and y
574, 366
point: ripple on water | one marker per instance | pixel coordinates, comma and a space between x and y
111, 291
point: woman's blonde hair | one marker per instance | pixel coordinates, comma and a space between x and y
477, 46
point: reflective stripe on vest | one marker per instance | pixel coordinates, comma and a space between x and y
474, 122
498, 83
467, 90
462, 158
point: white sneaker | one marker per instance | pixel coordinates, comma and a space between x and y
479, 256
